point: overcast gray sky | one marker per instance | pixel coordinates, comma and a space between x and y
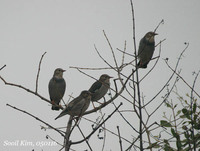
67, 30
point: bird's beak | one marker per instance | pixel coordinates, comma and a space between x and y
155, 34
110, 77
63, 70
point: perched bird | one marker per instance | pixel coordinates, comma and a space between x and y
57, 87
100, 87
78, 105
146, 49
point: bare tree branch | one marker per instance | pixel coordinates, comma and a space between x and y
26, 89
37, 78
111, 49
2, 67
174, 71
161, 22
109, 116
120, 141
38, 119
137, 77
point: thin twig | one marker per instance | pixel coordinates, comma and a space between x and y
103, 58
111, 49
120, 141
114, 68
95, 129
164, 99
126, 119
160, 42
177, 63
174, 71
161, 22
84, 137
28, 90
123, 56
48, 137
125, 52
104, 68
37, 78
107, 130
103, 127
2, 67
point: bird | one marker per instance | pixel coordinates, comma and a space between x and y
146, 49
78, 105
100, 87
57, 88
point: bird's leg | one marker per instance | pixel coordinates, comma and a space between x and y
76, 119
155, 58
60, 106
94, 106
57, 105
53, 102
104, 99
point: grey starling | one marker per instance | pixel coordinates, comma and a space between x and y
146, 49
78, 105
57, 87
100, 87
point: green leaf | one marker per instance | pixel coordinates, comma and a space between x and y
166, 141
194, 107
182, 116
173, 132
186, 113
186, 135
195, 118
165, 123
168, 148
168, 105
178, 112
178, 144
154, 145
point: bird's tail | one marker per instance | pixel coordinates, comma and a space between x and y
55, 108
140, 65
64, 112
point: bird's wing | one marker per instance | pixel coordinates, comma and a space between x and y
141, 47
68, 108
51, 88
61, 87
64, 112
74, 102
95, 87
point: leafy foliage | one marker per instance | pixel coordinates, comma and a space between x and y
184, 128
